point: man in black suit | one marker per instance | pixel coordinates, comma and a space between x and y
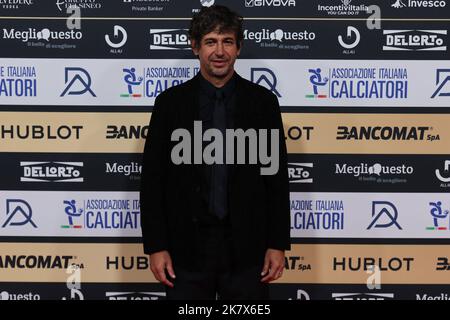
221, 228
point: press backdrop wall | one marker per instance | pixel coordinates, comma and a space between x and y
365, 111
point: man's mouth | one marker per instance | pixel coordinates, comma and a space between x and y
219, 63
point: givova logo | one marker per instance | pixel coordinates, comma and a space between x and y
50, 171
135, 295
270, 3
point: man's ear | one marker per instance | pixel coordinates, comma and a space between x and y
240, 48
194, 47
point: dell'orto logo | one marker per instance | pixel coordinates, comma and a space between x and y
439, 215
352, 38
80, 79
415, 40
119, 39
266, 78
300, 172
442, 83
18, 213
169, 39
51, 171
362, 296
135, 295
269, 3
384, 215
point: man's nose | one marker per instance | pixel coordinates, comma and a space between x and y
219, 49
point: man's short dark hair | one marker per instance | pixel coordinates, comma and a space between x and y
216, 17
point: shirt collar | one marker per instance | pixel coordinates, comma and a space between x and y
210, 90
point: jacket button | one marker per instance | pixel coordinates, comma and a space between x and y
194, 219
197, 188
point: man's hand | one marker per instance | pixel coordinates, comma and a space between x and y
159, 262
273, 265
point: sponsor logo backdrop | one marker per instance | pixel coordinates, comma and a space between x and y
365, 113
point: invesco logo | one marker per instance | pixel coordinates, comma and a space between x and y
51, 171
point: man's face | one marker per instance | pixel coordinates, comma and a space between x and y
217, 53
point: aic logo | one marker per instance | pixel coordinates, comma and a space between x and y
384, 215
266, 78
439, 215
414, 40
18, 213
72, 212
442, 79
172, 39
49, 171
359, 82
300, 172
131, 81
317, 82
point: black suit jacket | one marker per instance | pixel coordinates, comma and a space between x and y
170, 194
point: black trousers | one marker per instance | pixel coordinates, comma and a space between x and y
217, 276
